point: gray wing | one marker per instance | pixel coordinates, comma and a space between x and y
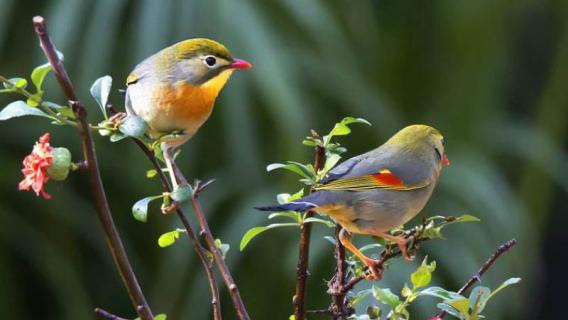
411, 170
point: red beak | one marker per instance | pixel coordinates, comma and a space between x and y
445, 160
241, 64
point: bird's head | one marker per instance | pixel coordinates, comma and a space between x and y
421, 141
199, 61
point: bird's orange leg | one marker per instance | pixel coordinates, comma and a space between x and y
345, 239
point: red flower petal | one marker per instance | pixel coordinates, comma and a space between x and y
35, 167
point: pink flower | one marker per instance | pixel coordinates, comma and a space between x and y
35, 167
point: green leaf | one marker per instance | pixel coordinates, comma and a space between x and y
223, 247
168, 238
441, 293
505, 284
423, 274
295, 216
466, 218
359, 296
370, 246
161, 316
450, 310
151, 173
20, 109
296, 195
386, 296
479, 296
38, 75
295, 167
310, 142
461, 305
17, 83
342, 128
140, 208
330, 162
133, 126
328, 223
182, 193
115, 137
100, 91
405, 291
253, 232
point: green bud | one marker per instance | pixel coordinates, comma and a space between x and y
60, 165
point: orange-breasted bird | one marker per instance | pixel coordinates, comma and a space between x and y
175, 89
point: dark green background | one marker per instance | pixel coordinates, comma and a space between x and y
492, 76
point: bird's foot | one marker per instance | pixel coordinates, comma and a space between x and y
374, 271
403, 246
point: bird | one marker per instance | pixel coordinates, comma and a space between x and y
379, 190
175, 89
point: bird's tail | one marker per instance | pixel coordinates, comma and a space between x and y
290, 206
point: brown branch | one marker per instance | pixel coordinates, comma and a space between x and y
107, 315
339, 309
477, 276
103, 211
385, 256
242, 313
302, 274
199, 250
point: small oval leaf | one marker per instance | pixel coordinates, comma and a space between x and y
168, 238
140, 208
38, 75
100, 91
19, 109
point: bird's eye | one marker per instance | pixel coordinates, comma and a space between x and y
210, 61
443, 141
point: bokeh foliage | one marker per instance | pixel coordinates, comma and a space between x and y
491, 75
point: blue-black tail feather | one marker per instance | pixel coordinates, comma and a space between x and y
290, 206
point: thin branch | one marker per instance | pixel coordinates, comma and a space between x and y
107, 315
242, 313
199, 250
477, 276
111, 234
304, 251
339, 309
385, 256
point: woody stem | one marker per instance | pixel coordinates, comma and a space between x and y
477, 276
304, 250
102, 207
199, 250
238, 304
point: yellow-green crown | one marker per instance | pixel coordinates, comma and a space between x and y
201, 46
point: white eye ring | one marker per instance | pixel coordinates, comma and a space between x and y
210, 61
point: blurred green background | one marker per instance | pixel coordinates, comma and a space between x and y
491, 75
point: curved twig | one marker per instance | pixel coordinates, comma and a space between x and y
105, 217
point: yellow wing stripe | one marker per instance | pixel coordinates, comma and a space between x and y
365, 183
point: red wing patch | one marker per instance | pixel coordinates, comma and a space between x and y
387, 178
